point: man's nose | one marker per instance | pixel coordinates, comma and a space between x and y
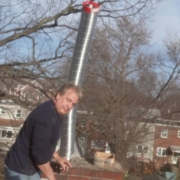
70, 105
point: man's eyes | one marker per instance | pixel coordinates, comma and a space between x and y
68, 99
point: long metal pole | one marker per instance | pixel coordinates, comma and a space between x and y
85, 33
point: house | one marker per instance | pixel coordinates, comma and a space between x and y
166, 142
144, 122
161, 145
28, 94
94, 139
12, 116
9, 110
30, 91
144, 147
8, 132
158, 139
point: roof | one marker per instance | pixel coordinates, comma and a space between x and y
11, 123
175, 149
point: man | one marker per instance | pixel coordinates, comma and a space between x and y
35, 144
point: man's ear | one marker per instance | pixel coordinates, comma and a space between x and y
58, 95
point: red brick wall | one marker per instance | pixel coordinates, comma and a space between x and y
89, 174
172, 139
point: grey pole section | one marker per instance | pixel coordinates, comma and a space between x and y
85, 33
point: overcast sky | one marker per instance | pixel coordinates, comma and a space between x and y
167, 16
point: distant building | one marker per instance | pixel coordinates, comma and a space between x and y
158, 140
8, 131
12, 116
9, 110
166, 142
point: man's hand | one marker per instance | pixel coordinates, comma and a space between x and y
65, 164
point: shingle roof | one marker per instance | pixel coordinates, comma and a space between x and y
11, 123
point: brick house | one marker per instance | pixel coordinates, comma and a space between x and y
161, 145
166, 142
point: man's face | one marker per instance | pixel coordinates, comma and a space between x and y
64, 103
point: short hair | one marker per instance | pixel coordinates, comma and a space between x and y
70, 85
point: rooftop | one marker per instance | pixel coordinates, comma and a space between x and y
11, 123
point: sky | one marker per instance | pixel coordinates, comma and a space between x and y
167, 17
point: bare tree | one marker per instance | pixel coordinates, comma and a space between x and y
116, 59
36, 36
130, 85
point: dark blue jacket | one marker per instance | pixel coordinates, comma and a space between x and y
36, 141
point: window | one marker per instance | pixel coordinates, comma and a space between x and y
145, 150
161, 152
178, 134
2, 111
6, 134
3, 134
142, 149
164, 133
18, 113
174, 159
139, 149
